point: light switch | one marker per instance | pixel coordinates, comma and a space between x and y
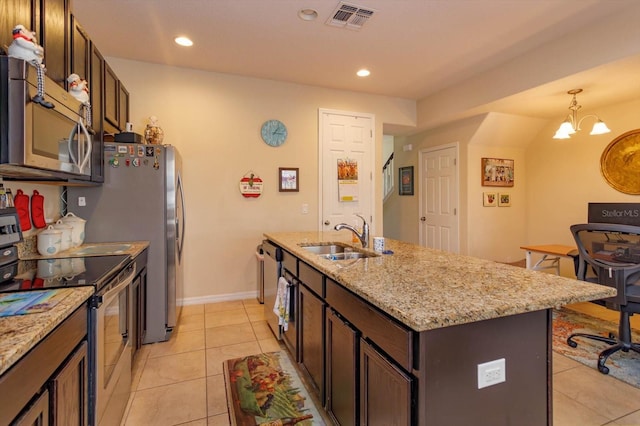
305, 208
82, 202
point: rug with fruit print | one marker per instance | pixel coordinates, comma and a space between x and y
622, 365
265, 389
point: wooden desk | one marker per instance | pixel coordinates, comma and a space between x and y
547, 250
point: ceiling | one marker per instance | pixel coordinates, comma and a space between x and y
413, 48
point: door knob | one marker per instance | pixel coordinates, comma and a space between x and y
423, 219
326, 222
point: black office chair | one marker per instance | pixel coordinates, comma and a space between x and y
610, 255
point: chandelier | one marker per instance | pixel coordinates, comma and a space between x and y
571, 124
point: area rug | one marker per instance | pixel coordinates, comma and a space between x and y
265, 389
622, 365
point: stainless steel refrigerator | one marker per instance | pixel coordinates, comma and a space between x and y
141, 199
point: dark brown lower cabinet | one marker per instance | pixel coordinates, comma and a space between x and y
385, 390
69, 397
311, 338
342, 370
37, 414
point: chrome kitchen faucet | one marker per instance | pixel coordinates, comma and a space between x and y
363, 237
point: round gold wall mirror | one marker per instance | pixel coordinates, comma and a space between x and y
620, 163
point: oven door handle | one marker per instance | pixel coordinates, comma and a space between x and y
112, 292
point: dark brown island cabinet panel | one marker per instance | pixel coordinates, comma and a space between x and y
342, 370
385, 390
311, 339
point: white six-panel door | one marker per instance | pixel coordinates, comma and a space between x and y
345, 135
439, 198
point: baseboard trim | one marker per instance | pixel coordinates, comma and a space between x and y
200, 300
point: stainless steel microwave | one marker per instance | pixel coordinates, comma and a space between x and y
37, 142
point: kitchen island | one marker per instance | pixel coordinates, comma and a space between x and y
441, 316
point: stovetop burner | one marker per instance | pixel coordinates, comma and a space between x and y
59, 273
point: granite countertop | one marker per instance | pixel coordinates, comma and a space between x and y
20, 333
27, 250
427, 289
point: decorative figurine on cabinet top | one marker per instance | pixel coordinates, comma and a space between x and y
153, 133
25, 46
79, 89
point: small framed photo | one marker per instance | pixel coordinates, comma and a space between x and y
497, 172
289, 179
406, 180
504, 200
489, 199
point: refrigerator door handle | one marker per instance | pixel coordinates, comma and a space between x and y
180, 227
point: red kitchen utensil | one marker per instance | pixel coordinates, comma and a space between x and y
37, 210
21, 201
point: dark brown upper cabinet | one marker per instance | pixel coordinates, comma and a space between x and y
79, 50
12, 13
52, 17
111, 103
123, 107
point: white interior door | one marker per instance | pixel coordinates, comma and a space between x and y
345, 136
439, 198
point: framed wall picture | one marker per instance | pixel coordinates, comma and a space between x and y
406, 180
489, 199
504, 200
497, 172
289, 179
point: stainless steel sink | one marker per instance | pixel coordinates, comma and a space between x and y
328, 248
336, 251
346, 256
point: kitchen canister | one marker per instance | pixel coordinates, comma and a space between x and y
378, 244
77, 233
49, 241
66, 241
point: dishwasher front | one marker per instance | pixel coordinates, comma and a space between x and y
272, 266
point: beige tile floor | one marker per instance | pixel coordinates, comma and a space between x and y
180, 382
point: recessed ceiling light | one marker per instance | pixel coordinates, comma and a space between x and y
307, 14
363, 73
183, 41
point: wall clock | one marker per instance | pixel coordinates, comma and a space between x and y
274, 132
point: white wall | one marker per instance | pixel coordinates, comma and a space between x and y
214, 120
563, 176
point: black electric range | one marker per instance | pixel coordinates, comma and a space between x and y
96, 271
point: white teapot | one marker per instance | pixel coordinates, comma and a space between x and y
77, 231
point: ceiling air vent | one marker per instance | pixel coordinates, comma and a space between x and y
350, 16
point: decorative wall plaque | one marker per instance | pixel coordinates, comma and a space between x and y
620, 163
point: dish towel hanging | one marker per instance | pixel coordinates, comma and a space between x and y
281, 307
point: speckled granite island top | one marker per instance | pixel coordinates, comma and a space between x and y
427, 289
20, 333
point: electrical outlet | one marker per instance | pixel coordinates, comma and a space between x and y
82, 201
491, 373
